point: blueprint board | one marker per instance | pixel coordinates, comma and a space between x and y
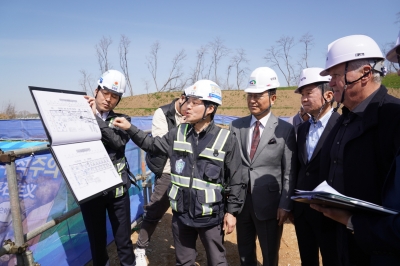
75, 142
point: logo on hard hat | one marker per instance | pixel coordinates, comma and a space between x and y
273, 78
252, 82
101, 80
359, 54
303, 78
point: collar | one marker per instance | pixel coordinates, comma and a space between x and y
102, 116
263, 120
359, 109
324, 119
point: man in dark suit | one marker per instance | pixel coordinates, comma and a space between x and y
317, 99
378, 236
268, 150
358, 152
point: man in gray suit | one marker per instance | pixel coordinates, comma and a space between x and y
268, 149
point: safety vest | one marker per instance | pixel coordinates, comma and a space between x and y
197, 182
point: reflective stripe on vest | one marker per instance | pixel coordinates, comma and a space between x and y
180, 143
172, 196
215, 152
184, 181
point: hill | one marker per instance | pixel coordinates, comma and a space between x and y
233, 103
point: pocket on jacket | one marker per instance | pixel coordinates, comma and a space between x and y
208, 202
212, 172
176, 198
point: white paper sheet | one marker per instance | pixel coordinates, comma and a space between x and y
67, 117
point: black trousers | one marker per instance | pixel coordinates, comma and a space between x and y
94, 216
159, 204
185, 243
312, 240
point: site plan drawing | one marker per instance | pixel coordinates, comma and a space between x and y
75, 142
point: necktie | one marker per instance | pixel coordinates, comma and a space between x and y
255, 140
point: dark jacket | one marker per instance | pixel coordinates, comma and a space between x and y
380, 235
308, 176
114, 140
368, 156
232, 163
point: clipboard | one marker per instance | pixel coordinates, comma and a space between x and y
341, 202
326, 195
75, 142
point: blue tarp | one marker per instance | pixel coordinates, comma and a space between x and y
45, 196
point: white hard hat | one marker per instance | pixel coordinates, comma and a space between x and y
311, 75
262, 79
393, 54
113, 81
351, 48
205, 90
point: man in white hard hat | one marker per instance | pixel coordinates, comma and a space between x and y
378, 236
317, 100
206, 191
164, 119
111, 87
359, 150
268, 147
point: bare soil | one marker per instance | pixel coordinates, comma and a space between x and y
161, 251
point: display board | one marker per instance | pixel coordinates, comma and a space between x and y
75, 142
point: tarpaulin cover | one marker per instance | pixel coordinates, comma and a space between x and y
44, 195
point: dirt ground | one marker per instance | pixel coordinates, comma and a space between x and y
161, 250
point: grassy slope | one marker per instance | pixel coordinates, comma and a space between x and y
234, 103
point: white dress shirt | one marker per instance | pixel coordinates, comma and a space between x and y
315, 132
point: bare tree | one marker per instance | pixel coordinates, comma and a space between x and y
228, 74
102, 53
174, 80
308, 41
397, 18
10, 111
237, 60
152, 61
218, 51
123, 59
23, 114
197, 72
280, 57
175, 77
86, 82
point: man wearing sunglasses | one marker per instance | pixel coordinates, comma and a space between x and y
111, 87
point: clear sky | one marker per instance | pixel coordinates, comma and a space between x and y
47, 43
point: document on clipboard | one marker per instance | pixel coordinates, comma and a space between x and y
324, 194
75, 142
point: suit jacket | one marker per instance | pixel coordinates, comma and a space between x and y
380, 235
271, 174
368, 156
308, 176
370, 152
